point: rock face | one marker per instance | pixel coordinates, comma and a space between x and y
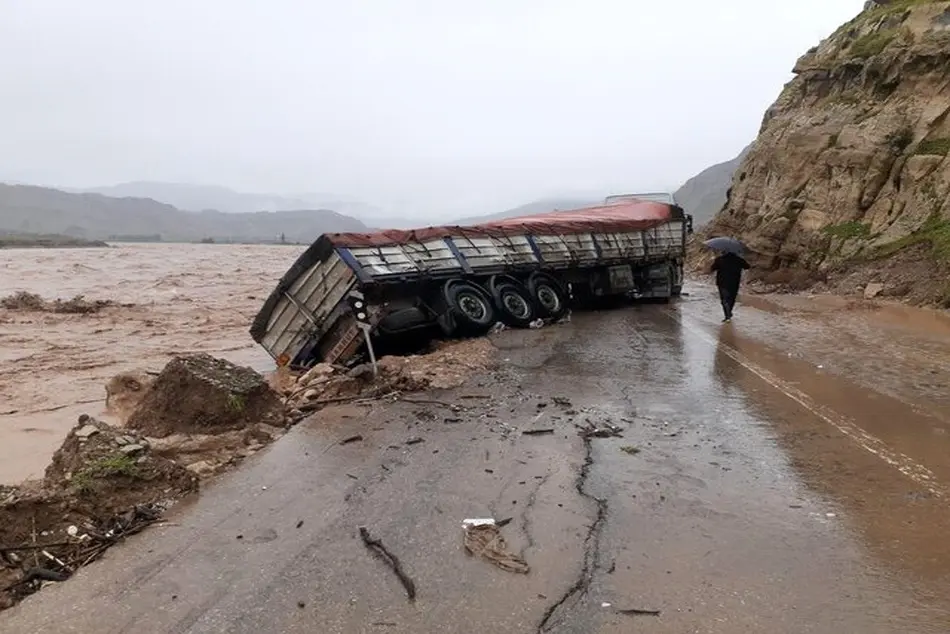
704, 195
850, 166
201, 394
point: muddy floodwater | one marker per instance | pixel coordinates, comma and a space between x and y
171, 299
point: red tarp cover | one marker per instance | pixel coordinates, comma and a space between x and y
634, 215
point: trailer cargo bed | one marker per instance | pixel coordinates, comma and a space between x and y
514, 269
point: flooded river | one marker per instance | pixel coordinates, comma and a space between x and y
171, 299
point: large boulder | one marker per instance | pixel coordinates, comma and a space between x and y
200, 394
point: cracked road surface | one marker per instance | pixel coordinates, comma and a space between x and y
750, 491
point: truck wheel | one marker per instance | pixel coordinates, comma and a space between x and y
548, 295
471, 305
514, 302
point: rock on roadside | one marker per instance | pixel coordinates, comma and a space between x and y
202, 394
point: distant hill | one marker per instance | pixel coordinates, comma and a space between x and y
704, 194
200, 197
537, 207
189, 197
41, 210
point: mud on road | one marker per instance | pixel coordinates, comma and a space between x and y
749, 490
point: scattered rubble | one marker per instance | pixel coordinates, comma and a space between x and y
106, 470
606, 430
447, 366
102, 485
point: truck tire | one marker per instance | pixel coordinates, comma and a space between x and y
514, 302
549, 296
403, 320
471, 306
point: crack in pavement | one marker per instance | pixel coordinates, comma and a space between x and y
525, 519
578, 590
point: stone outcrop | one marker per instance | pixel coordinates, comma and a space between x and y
850, 166
200, 394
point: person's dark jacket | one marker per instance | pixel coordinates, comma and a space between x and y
728, 268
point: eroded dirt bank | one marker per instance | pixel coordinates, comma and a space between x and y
749, 489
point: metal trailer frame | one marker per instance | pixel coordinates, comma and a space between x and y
307, 314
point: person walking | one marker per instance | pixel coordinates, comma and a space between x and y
728, 268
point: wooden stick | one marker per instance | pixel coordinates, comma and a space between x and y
376, 546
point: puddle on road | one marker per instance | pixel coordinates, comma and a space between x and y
900, 522
725, 465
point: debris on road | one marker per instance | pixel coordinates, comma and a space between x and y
350, 439
639, 612
483, 539
630, 449
537, 432
590, 430
446, 366
377, 548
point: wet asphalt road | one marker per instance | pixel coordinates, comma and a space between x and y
747, 494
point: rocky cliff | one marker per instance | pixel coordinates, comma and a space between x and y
849, 177
704, 194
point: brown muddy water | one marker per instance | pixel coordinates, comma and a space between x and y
171, 299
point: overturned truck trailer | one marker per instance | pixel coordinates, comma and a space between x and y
460, 281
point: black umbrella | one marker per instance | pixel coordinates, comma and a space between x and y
729, 245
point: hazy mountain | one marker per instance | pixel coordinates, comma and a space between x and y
201, 197
29, 209
537, 207
704, 194
190, 197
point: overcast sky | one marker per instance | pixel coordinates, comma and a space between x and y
451, 106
